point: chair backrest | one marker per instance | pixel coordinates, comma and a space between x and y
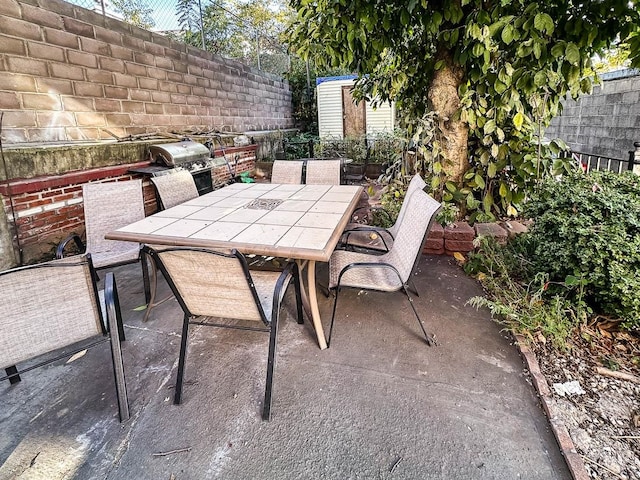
287, 171
210, 283
175, 187
323, 172
416, 183
46, 307
412, 233
109, 206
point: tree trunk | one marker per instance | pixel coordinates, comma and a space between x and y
443, 99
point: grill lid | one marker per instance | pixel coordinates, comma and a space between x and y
173, 154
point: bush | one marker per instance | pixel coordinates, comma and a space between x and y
587, 228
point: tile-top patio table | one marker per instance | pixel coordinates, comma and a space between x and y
302, 222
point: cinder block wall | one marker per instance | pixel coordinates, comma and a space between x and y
67, 73
605, 123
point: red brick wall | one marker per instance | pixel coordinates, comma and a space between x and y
48, 209
67, 73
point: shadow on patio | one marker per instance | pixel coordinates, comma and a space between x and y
378, 404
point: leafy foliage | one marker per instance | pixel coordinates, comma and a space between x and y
517, 298
135, 12
512, 63
588, 227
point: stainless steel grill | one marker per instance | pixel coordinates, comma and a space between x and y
190, 155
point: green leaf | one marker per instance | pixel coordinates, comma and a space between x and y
572, 53
507, 34
543, 23
491, 170
518, 120
558, 50
487, 203
435, 183
437, 167
479, 180
451, 187
540, 79
494, 150
489, 127
504, 191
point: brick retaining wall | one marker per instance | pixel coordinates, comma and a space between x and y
67, 73
48, 209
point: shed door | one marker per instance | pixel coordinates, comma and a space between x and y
353, 116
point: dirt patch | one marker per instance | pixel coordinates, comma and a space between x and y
601, 412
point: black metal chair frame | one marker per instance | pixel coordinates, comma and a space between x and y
112, 303
271, 326
80, 245
405, 286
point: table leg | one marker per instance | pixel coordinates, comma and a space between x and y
313, 303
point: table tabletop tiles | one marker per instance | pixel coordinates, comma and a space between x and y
204, 200
223, 231
232, 202
182, 228
262, 234
304, 222
319, 220
301, 237
212, 213
329, 207
245, 215
338, 197
179, 211
280, 217
295, 205
148, 225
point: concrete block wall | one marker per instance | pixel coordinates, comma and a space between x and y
67, 73
605, 123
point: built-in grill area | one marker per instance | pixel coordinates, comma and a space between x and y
187, 154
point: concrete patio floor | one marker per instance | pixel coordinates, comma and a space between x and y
378, 404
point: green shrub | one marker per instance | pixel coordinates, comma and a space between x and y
587, 227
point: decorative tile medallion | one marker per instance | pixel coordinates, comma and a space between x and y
264, 203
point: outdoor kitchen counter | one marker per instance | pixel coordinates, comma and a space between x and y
301, 222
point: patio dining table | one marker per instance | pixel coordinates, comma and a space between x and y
300, 222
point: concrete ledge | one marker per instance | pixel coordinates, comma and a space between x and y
568, 449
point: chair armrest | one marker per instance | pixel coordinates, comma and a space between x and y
63, 244
344, 238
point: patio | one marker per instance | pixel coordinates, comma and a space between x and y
378, 404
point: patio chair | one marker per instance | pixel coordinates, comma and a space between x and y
55, 305
107, 207
377, 238
287, 171
323, 172
174, 187
391, 271
208, 283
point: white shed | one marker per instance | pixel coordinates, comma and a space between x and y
339, 116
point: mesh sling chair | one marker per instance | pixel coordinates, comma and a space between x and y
378, 238
287, 171
55, 305
175, 187
323, 172
209, 283
109, 206
391, 271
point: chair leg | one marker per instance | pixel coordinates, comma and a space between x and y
412, 287
333, 315
13, 370
430, 340
181, 361
145, 278
271, 365
114, 315
296, 286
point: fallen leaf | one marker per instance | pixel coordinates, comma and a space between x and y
140, 308
76, 356
459, 257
